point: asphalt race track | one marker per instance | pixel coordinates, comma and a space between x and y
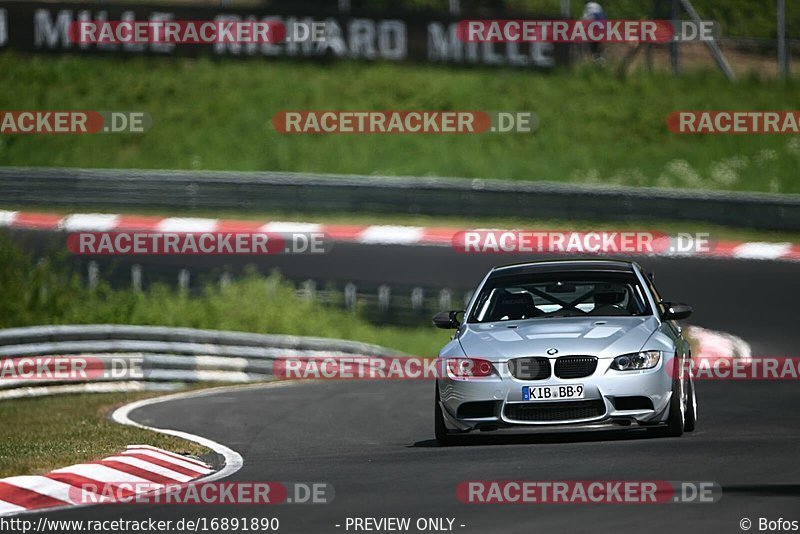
374, 441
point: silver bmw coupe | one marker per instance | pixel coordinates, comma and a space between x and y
565, 344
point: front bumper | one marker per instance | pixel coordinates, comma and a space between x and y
497, 401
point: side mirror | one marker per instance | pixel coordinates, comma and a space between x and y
677, 311
447, 319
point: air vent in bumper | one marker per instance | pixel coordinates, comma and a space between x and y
633, 403
476, 410
555, 411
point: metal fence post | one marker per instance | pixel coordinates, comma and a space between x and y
183, 280
272, 285
445, 299
136, 277
384, 298
310, 290
350, 296
93, 275
225, 280
455, 7
467, 298
417, 298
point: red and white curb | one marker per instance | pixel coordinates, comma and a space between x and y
49, 492
366, 234
142, 465
713, 345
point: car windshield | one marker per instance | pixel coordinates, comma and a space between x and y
507, 298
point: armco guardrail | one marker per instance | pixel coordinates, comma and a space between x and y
93, 332
261, 191
164, 354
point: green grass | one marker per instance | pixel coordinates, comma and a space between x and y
41, 434
594, 128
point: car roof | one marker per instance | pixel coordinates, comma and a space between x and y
552, 266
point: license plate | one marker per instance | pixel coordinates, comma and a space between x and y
544, 393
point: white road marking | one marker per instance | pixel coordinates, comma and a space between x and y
187, 224
289, 226
93, 222
7, 219
762, 251
392, 235
150, 467
159, 456
52, 488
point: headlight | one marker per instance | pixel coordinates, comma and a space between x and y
639, 360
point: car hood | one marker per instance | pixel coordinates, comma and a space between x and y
602, 337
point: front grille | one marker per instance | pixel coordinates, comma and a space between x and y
575, 366
555, 411
529, 368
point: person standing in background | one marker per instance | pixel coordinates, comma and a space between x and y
594, 11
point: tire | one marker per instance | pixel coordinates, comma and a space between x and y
676, 419
691, 407
443, 436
